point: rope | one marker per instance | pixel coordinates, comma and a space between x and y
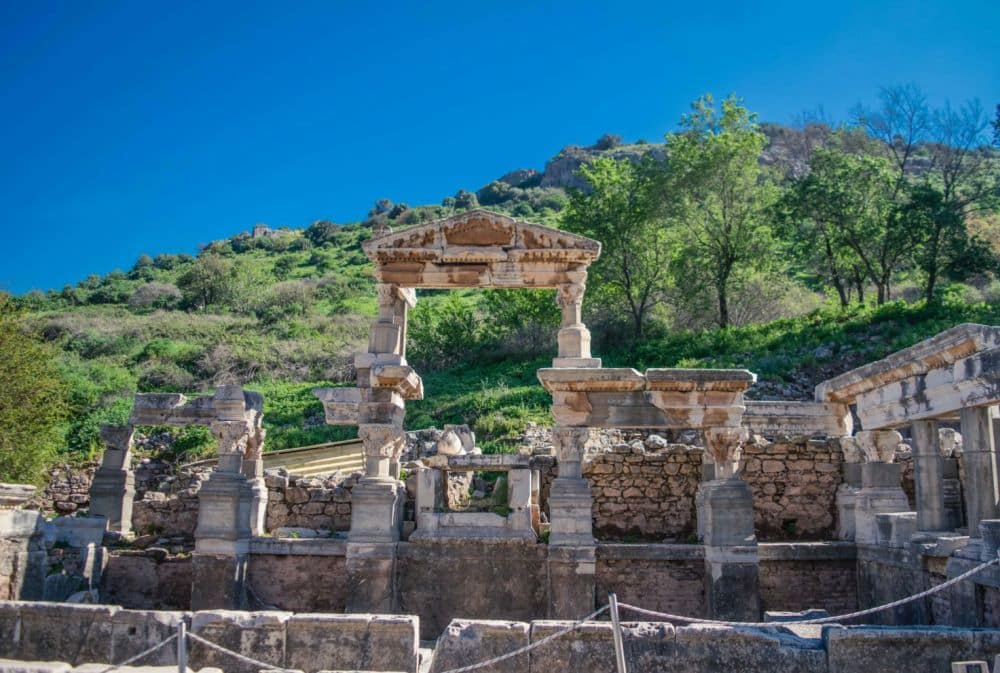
820, 620
154, 648
264, 666
528, 648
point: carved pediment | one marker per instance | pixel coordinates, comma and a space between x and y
479, 236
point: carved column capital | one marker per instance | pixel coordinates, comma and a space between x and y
850, 449
569, 444
570, 294
117, 437
949, 442
725, 446
232, 436
878, 446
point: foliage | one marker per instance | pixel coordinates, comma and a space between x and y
716, 191
619, 211
32, 404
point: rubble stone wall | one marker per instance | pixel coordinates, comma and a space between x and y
796, 585
665, 578
147, 580
314, 502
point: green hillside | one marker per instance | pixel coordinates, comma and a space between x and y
284, 311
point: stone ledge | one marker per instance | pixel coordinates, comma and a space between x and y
302, 547
650, 551
807, 551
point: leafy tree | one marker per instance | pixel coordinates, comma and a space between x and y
321, 232
717, 193
33, 403
900, 122
850, 198
466, 200
608, 141
619, 211
207, 282
154, 295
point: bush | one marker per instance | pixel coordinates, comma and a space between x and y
166, 377
466, 200
287, 299
155, 295
608, 141
321, 232
494, 193
33, 401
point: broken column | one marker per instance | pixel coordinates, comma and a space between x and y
881, 491
23, 558
725, 519
113, 488
572, 552
573, 337
847, 492
231, 503
979, 454
377, 407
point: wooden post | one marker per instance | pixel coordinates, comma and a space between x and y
617, 626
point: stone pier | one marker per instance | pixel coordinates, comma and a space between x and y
881, 491
847, 492
113, 488
928, 476
979, 452
725, 520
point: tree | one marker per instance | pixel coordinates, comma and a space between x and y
619, 212
900, 123
851, 199
321, 232
207, 282
33, 403
718, 195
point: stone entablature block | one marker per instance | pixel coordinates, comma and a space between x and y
660, 398
798, 419
935, 378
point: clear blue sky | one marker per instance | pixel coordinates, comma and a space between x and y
131, 127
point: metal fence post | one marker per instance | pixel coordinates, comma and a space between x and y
182, 655
617, 627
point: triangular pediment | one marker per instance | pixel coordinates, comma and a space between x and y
481, 236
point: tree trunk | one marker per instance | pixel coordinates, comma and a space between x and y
835, 275
723, 306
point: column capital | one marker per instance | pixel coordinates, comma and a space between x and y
878, 446
231, 435
949, 442
117, 437
850, 450
725, 446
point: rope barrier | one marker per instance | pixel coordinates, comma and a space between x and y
527, 648
144, 653
819, 620
264, 666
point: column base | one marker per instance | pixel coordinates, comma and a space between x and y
111, 496
572, 586
376, 510
847, 500
725, 513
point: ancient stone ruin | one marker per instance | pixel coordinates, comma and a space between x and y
761, 510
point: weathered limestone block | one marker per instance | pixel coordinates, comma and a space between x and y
792, 419
708, 648
260, 635
979, 451
317, 642
74, 633
872, 649
113, 487
572, 577
466, 642
134, 631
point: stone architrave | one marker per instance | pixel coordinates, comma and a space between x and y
113, 489
725, 523
928, 477
979, 451
881, 492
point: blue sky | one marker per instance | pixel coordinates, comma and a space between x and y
131, 127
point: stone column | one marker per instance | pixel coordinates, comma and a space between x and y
847, 492
725, 519
928, 476
113, 488
979, 453
950, 443
572, 551
574, 337
880, 492
376, 516
222, 538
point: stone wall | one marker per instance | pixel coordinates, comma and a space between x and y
665, 578
794, 485
804, 575
68, 488
309, 502
298, 575
81, 634
147, 580
441, 581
